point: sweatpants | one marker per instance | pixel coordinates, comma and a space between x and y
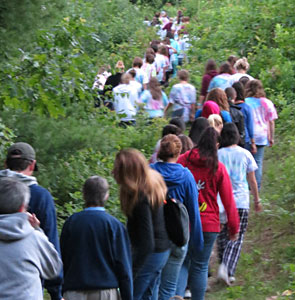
229, 251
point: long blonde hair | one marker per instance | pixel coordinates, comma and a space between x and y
135, 178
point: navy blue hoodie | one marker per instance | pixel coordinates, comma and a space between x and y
182, 186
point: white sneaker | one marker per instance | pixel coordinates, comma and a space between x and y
223, 274
187, 294
232, 279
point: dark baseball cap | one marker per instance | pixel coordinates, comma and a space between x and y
23, 151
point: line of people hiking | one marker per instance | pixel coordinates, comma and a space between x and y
209, 172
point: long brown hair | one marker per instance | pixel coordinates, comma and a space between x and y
254, 88
218, 96
135, 177
155, 89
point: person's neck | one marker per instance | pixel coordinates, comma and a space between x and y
172, 160
242, 71
232, 146
183, 81
24, 172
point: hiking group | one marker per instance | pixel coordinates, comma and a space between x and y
211, 172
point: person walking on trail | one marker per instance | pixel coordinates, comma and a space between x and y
126, 100
264, 115
26, 254
182, 98
241, 167
181, 186
154, 99
242, 66
210, 72
211, 178
222, 80
141, 75
21, 164
248, 117
218, 96
161, 63
95, 250
142, 194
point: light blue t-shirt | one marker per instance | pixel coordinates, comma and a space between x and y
238, 162
220, 81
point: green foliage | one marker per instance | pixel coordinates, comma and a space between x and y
69, 150
57, 72
6, 139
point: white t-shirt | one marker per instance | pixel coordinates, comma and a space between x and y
236, 77
238, 162
125, 101
136, 85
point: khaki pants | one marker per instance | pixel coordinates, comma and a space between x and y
110, 294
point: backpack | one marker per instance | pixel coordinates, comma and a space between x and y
176, 221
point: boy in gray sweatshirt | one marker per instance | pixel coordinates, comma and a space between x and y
26, 254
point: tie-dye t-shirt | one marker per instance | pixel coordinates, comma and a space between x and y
140, 76
150, 70
183, 95
220, 81
263, 112
161, 62
238, 162
153, 107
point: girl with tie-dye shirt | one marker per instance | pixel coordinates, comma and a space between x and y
264, 115
154, 99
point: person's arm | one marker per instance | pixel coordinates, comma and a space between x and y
145, 242
228, 201
166, 108
192, 205
123, 263
193, 105
50, 264
204, 87
271, 128
250, 127
254, 190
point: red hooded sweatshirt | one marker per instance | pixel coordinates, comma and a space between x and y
209, 186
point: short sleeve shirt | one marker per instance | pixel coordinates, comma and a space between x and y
183, 96
220, 81
238, 162
263, 111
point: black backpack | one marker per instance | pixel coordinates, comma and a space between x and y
176, 221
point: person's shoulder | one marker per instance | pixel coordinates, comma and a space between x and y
40, 191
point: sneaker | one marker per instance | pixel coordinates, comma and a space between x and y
187, 294
232, 279
223, 274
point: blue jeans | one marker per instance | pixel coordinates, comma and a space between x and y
196, 266
148, 274
258, 156
170, 273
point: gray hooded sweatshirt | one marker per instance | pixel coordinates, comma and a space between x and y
26, 255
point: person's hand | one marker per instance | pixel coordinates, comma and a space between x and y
35, 223
258, 206
234, 237
253, 148
271, 142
